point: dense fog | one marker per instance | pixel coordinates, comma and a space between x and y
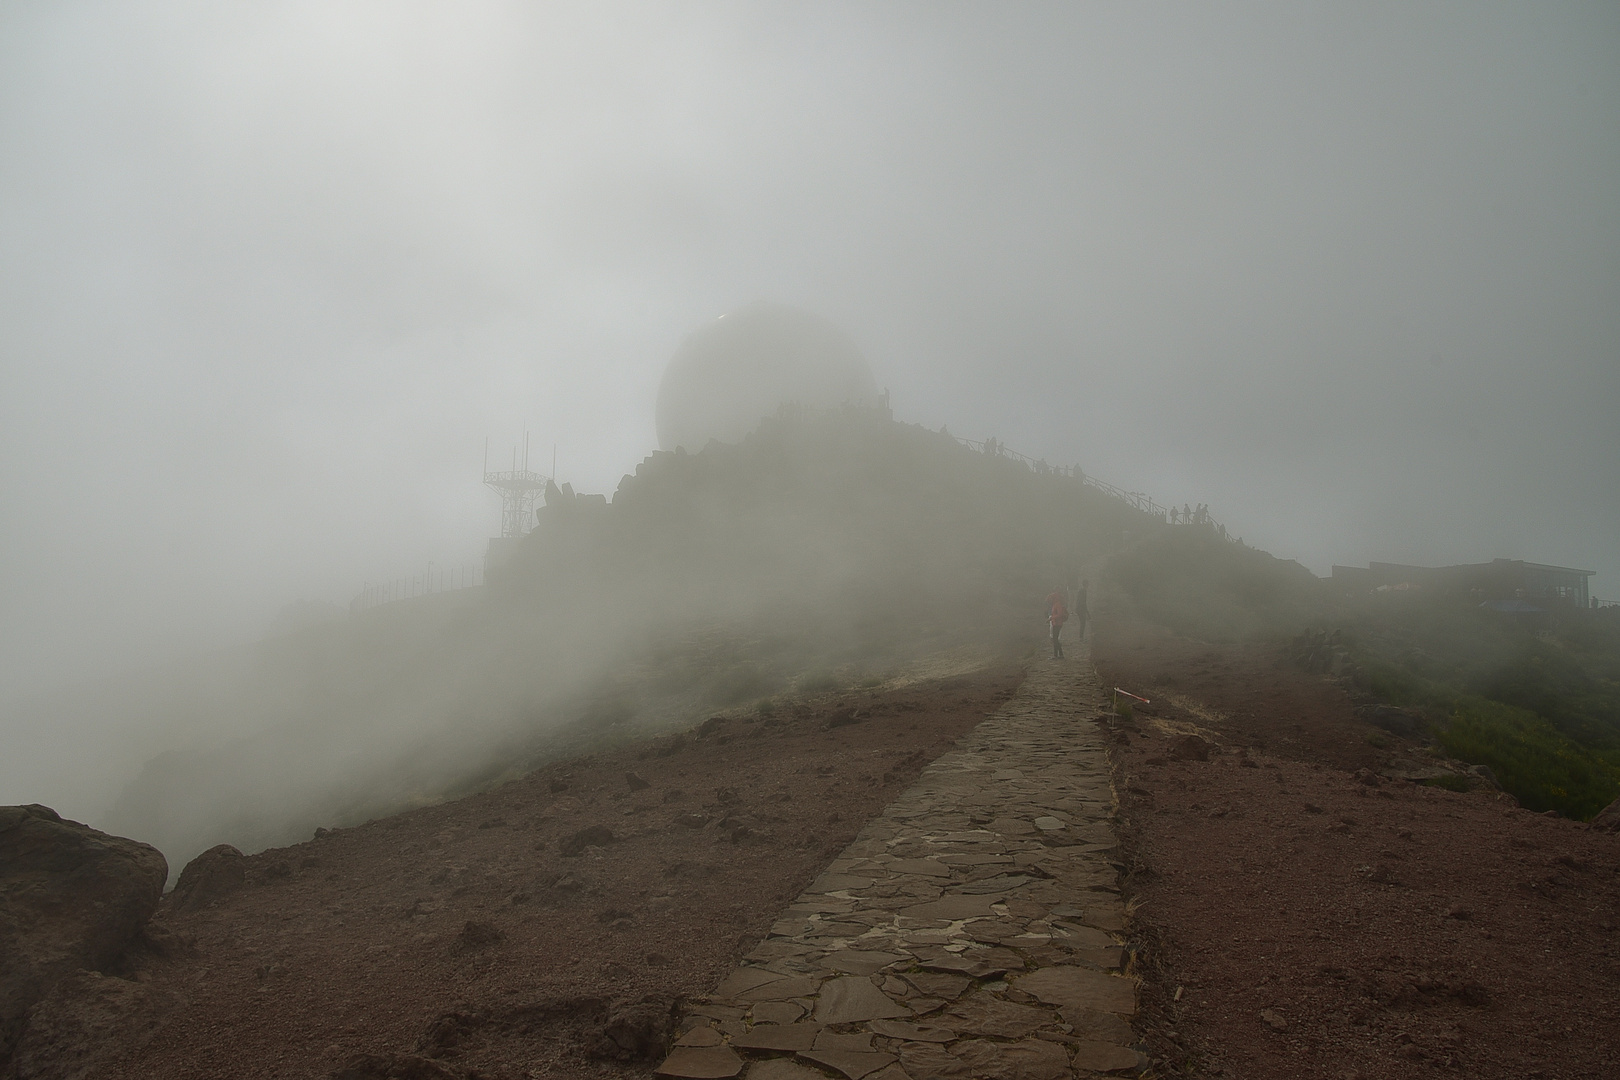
271, 277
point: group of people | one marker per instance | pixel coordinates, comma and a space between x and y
1189, 516
1059, 607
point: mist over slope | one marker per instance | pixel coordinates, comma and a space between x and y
1534, 696
825, 548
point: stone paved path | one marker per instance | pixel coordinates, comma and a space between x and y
973, 930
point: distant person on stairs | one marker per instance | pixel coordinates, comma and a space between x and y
1057, 615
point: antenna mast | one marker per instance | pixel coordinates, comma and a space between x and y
519, 490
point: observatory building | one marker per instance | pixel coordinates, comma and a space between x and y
730, 374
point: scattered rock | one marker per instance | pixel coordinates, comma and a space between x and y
636, 782
591, 836
637, 1031
842, 719
692, 820
71, 898
1393, 720
1273, 1020
478, 935
1190, 748
1383, 875
1368, 777
1608, 818
213, 875
1457, 911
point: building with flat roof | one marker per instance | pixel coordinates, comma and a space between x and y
1507, 584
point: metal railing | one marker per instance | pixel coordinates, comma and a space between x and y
1136, 499
428, 583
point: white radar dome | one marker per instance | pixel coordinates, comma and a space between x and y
738, 369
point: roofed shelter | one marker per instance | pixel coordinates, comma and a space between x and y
1500, 581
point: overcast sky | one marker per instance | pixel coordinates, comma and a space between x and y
271, 273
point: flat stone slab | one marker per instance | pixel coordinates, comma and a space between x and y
860, 962
1106, 1057
780, 990
986, 881
1032, 1059
781, 1069
851, 1063
701, 1062
982, 1014
776, 1012
744, 979
778, 1037
926, 867
852, 999
1081, 988
949, 908
899, 1029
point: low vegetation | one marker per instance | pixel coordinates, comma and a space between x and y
1537, 700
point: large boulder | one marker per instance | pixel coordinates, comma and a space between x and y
213, 875
71, 899
1608, 818
85, 1022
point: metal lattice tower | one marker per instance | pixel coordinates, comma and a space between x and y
519, 490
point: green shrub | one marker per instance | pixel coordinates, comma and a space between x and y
1532, 759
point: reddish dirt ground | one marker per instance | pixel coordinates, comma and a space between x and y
1300, 917
474, 934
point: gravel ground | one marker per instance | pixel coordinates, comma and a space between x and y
545, 928
1299, 915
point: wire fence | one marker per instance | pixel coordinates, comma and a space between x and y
433, 580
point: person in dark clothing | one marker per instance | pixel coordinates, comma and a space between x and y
1056, 616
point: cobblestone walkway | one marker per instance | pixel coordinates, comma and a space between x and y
973, 930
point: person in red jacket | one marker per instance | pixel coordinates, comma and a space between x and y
1057, 615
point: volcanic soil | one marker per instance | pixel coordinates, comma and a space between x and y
1300, 915
544, 928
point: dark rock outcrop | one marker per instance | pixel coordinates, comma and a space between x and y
71, 899
214, 874
84, 1022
